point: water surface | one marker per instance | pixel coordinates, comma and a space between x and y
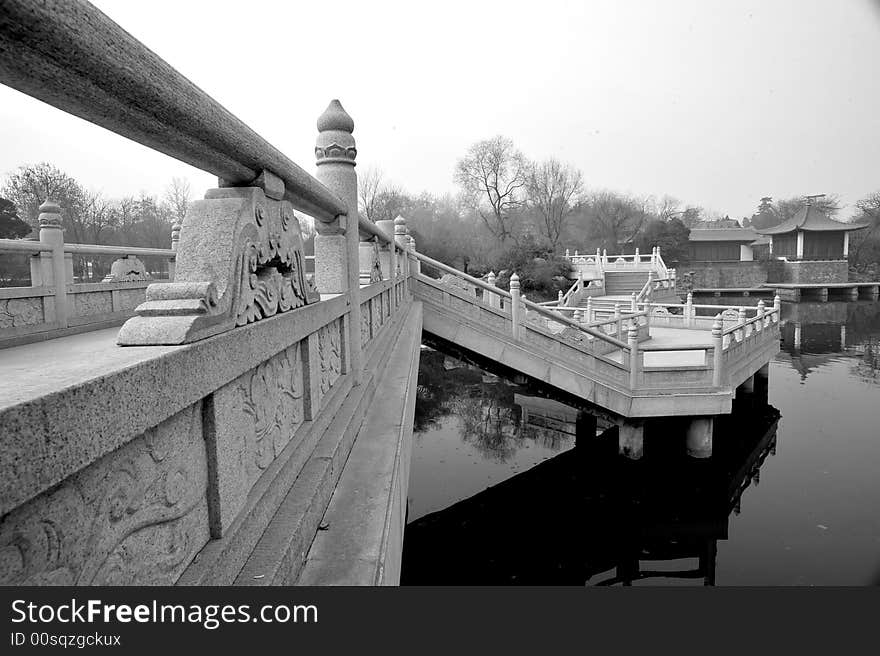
500, 493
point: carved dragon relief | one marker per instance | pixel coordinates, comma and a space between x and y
239, 260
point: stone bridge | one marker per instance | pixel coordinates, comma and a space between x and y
251, 423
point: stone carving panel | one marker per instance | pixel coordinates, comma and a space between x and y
92, 303
255, 417
365, 323
137, 516
239, 260
376, 316
15, 312
330, 354
130, 298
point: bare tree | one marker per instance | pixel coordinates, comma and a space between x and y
868, 211
98, 216
553, 190
177, 197
369, 186
492, 176
31, 185
617, 218
668, 207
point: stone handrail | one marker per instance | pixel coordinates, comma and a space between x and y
54, 304
72, 56
476, 282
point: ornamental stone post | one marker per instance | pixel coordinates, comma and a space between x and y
718, 350
337, 242
52, 266
175, 241
515, 309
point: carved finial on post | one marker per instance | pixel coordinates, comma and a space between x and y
401, 240
689, 309
633, 303
761, 311
559, 298
777, 305
589, 309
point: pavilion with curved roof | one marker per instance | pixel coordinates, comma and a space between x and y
810, 235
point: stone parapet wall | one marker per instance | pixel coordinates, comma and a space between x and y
716, 275
810, 271
27, 314
160, 454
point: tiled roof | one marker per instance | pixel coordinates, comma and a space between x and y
811, 219
742, 235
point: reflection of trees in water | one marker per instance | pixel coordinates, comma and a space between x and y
489, 424
867, 366
489, 419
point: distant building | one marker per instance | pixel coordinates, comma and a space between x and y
810, 235
722, 243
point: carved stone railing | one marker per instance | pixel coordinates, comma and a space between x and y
48, 309
246, 384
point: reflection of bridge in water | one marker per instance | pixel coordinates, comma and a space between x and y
588, 516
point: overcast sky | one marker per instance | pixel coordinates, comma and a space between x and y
712, 101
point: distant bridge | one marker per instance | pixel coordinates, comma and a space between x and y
251, 424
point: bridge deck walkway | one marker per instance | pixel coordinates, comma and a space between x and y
673, 337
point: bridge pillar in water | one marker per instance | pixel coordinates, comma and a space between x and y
631, 439
337, 243
699, 437
762, 385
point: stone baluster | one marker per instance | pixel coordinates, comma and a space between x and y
741, 320
634, 302
49, 269
175, 241
589, 312
567, 253
403, 241
492, 299
559, 298
598, 263
515, 309
633, 341
689, 310
777, 308
636, 259
761, 310
718, 350
605, 258
337, 243
416, 264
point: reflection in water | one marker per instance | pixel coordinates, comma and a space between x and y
500, 494
589, 516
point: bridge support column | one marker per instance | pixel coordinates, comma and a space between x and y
631, 439
699, 437
337, 243
762, 385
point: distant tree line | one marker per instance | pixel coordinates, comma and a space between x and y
514, 212
88, 217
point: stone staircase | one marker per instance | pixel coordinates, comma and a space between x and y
624, 283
